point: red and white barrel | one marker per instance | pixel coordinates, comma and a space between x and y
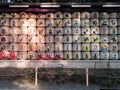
49, 55
59, 55
4, 39
13, 55
4, 55
41, 56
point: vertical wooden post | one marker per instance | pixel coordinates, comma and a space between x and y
36, 76
87, 77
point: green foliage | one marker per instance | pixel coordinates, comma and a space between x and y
105, 77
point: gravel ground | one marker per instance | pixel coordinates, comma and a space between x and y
25, 85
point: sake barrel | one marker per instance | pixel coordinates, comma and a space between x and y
40, 31
49, 55
32, 55
40, 47
114, 55
85, 47
41, 56
32, 22
40, 23
68, 55
31, 47
14, 22
4, 30
95, 55
59, 55
95, 30
22, 55
95, 47
49, 47
86, 55
104, 55
77, 55
113, 47
58, 15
